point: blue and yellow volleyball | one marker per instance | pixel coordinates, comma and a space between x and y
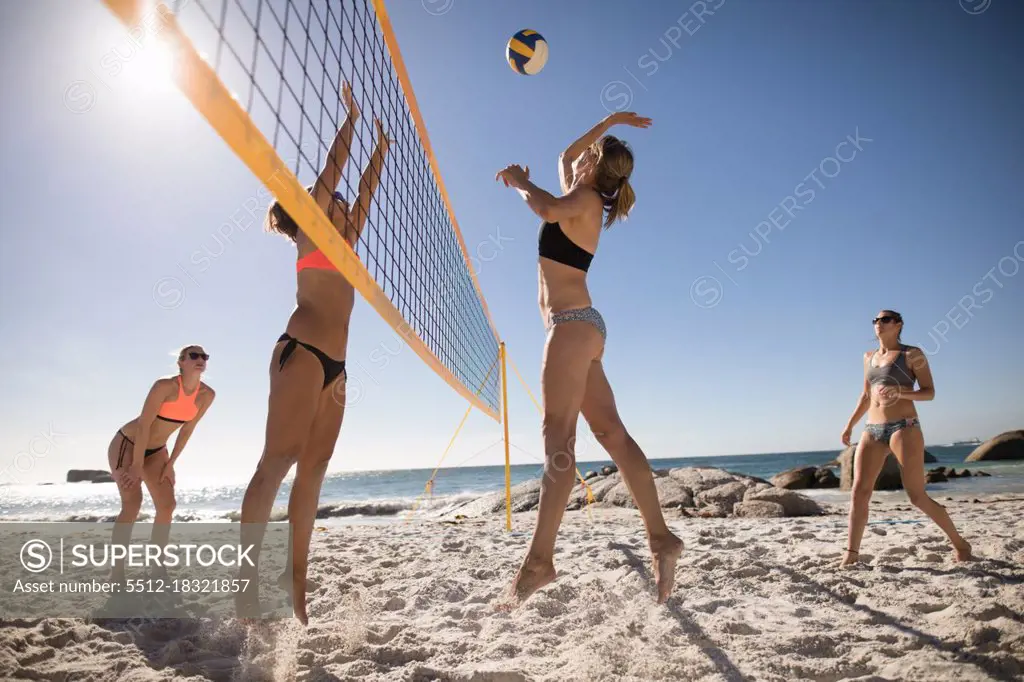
527, 52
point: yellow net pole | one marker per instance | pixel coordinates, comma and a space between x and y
504, 421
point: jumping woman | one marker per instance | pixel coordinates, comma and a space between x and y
594, 173
138, 452
888, 396
306, 408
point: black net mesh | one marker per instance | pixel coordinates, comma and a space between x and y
285, 61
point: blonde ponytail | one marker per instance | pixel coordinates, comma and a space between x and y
614, 167
622, 204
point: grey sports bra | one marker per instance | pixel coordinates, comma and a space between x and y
896, 373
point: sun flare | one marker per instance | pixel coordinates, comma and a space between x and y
150, 71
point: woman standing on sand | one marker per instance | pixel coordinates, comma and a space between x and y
305, 409
594, 172
138, 452
888, 399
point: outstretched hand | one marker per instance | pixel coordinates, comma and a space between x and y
629, 118
384, 140
349, 101
513, 175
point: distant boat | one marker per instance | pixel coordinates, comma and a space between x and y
973, 441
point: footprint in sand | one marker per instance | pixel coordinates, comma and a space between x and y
751, 571
373, 637
929, 607
739, 628
394, 604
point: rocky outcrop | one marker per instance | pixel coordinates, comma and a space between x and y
942, 474
825, 478
795, 479
794, 504
1009, 445
802, 478
693, 491
89, 476
759, 509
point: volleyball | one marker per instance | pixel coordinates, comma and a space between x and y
527, 52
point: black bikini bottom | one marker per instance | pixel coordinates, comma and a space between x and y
125, 442
332, 368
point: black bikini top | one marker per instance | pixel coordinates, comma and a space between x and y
554, 244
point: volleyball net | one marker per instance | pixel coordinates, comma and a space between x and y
268, 76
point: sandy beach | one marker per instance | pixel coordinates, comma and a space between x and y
756, 599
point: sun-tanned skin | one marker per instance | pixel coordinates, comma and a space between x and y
157, 470
884, 404
304, 417
573, 377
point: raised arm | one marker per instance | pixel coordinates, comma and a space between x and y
337, 155
368, 185
547, 206
565, 174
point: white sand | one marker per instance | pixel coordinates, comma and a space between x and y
756, 599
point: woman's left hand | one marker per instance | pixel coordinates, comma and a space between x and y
168, 473
514, 175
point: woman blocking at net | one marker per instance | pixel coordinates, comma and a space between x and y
890, 373
307, 366
594, 173
138, 452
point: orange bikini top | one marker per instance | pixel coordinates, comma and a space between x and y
182, 409
315, 259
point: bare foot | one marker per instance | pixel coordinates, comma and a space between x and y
533, 575
300, 587
284, 581
963, 552
665, 552
851, 557
247, 605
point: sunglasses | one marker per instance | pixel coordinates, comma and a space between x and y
195, 356
885, 319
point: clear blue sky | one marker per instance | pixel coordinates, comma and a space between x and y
100, 206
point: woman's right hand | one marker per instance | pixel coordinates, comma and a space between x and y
846, 435
133, 475
629, 118
348, 101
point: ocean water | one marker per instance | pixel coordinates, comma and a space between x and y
378, 495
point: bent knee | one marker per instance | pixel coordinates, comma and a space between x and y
861, 493
316, 461
282, 458
557, 425
608, 433
166, 506
132, 504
